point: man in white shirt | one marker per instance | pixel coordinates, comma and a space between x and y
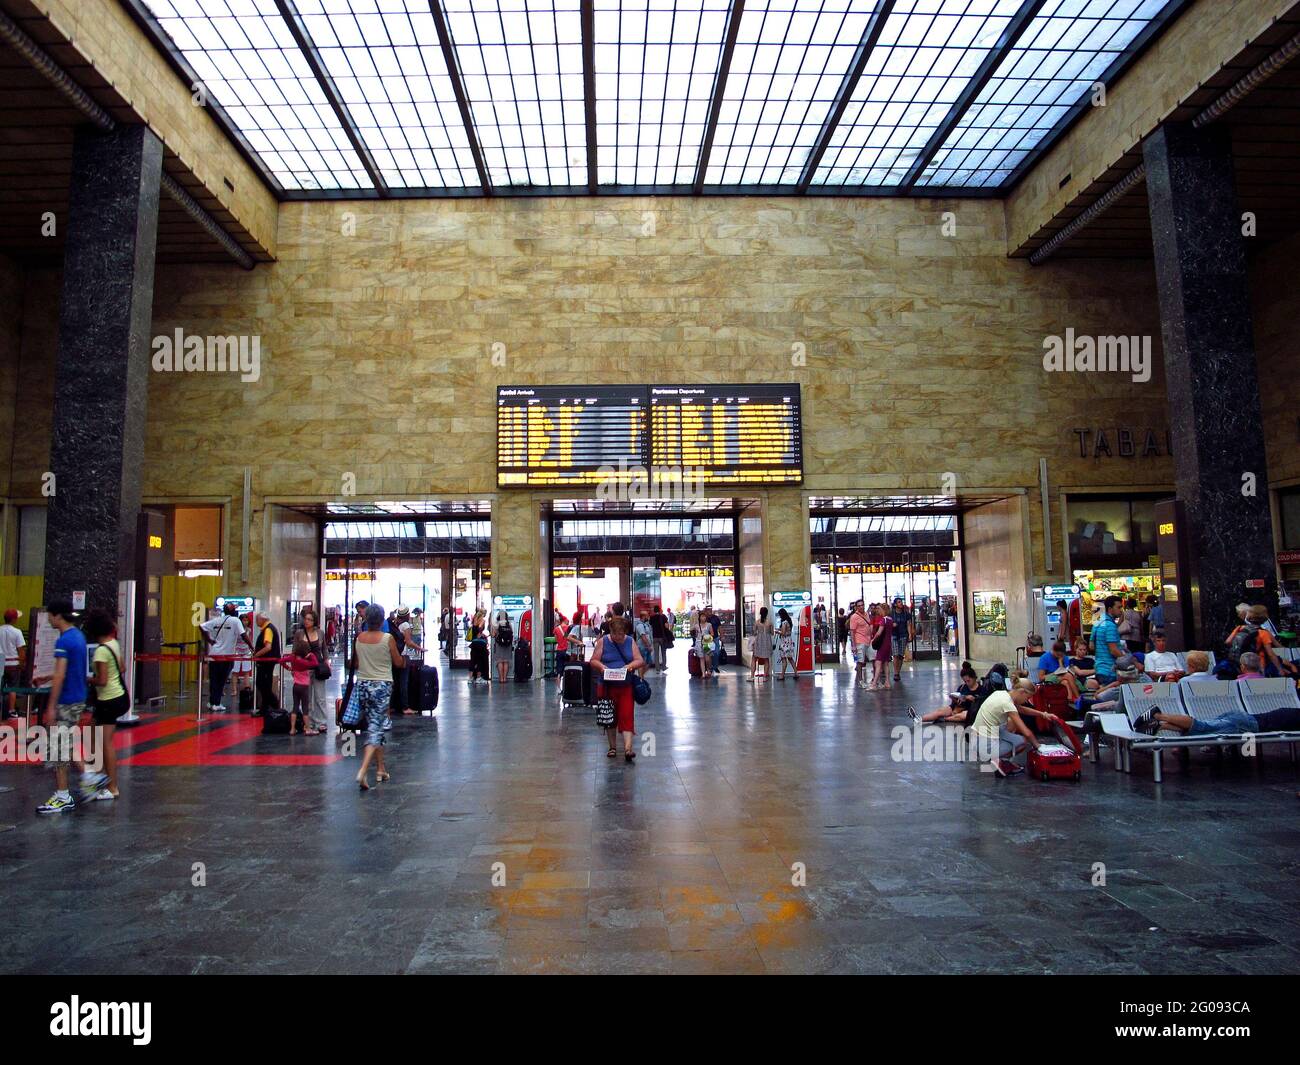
13, 645
222, 634
1161, 664
413, 652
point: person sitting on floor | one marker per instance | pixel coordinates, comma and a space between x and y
1232, 723
962, 704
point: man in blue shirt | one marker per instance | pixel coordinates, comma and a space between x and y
1106, 640
1156, 615
66, 704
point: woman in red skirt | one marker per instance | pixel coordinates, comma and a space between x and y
617, 651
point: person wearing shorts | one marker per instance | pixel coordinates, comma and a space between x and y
13, 645
860, 631
111, 697
67, 702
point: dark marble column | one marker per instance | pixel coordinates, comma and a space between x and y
1212, 385
102, 370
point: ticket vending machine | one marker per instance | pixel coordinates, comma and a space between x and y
1049, 622
799, 606
519, 609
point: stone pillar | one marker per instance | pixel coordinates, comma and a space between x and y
102, 368
787, 551
1212, 387
517, 553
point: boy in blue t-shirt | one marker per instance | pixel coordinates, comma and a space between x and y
67, 702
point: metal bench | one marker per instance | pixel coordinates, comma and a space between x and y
1202, 700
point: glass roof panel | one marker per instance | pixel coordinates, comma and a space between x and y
790, 59
521, 62
656, 62
927, 53
248, 62
385, 60
1055, 65
656, 65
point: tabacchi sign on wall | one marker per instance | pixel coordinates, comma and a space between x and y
1123, 442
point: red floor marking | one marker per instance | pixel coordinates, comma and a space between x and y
133, 735
205, 748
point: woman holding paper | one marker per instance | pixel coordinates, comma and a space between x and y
614, 658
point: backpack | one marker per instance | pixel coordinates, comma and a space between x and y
505, 635
398, 636
1245, 640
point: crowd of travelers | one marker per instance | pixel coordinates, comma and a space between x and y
1126, 646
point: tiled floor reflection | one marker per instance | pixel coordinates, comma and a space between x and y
770, 831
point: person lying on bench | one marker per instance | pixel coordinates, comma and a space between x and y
1001, 720
1232, 723
1161, 664
963, 703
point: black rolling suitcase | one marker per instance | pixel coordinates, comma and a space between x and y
574, 685
424, 699
523, 662
245, 700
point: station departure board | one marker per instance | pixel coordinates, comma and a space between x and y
732, 434
557, 435
563, 435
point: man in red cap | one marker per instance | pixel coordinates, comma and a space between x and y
13, 645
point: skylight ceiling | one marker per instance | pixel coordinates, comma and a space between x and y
372, 98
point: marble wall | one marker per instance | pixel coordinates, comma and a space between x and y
917, 342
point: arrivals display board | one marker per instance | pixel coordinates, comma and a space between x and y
722, 435
552, 436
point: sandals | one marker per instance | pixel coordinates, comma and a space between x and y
611, 753
362, 784
380, 778
629, 756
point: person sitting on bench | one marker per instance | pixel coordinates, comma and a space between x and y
1252, 668
1198, 669
1232, 723
1106, 699
1161, 664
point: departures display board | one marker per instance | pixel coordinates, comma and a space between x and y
559, 435
556, 435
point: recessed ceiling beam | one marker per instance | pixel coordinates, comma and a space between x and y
458, 87
292, 19
865, 47
719, 88
589, 87
1010, 36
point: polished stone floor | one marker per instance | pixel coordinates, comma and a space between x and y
685, 862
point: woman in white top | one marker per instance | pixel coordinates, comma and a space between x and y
374, 657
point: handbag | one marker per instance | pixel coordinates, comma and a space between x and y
351, 716
322, 669
604, 713
640, 687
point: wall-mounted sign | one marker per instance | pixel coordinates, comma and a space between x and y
790, 600
512, 602
1288, 558
1053, 592
349, 574
557, 435
244, 604
696, 571
1123, 442
155, 541
990, 609
1255, 584
882, 567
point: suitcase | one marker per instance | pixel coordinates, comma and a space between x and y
245, 700
1056, 760
523, 662
1048, 699
424, 698
693, 666
575, 684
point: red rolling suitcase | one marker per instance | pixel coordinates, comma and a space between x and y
693, 666
1048, 699
1057, 759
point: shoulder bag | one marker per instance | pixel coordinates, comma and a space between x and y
640, 686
